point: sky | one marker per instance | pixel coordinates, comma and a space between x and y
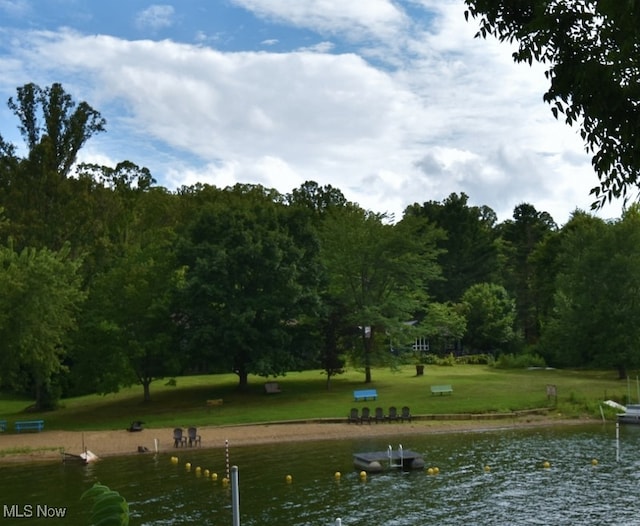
394, 102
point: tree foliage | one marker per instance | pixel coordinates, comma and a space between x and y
468, 250
490, 315
41, 296
597, 294
592, 50
378, 272
244, 293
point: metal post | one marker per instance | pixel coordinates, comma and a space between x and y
338, 522
235, 496
617, 441
226, 457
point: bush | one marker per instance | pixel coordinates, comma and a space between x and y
519, 361
474, 359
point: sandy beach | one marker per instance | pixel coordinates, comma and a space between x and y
48, 445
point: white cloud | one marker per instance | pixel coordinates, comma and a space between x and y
455, 115
155, 17
353, 19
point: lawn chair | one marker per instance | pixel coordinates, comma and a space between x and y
366, 415
353, 415
379, 415
393, 414
405, 414
194, 438
179, 439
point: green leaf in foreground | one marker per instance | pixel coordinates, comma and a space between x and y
109, 507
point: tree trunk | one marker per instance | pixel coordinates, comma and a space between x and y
147, 390
243, 378
367, 341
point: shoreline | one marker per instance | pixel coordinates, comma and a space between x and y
49, 445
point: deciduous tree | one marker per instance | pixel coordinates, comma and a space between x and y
591, 50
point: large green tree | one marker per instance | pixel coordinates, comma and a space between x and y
596, 302
378, 273
128, 330
130, 333
520, 238
45, 206
249, 283
40, 300
592, 50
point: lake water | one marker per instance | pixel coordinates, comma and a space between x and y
517, 489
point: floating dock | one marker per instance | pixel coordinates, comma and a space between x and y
377, 461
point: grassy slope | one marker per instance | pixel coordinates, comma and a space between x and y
477, 389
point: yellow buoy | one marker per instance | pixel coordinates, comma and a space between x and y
206, 473
225, 481
288, 479
174, 460
188, 466
436, 470
430, 471
546, 464
363, 475
594, 462
214, 476
487, 469
337, 475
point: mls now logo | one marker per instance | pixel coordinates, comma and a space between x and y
15, 511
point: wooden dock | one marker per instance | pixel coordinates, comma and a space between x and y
377, 461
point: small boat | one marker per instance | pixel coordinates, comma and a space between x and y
630, 414
377, 461
83, 458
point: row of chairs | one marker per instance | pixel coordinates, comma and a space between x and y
191, 439
379, 416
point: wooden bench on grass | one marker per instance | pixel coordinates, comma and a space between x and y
441, 389
3, 425
365, 394
29, 425
272, 388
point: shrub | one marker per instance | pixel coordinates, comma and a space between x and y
519, 361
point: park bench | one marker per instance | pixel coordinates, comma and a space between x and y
215, 402
271, 388
3, 425
30, 425
365, 394
441, 389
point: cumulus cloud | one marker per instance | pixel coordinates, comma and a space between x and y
454, 115
378, 19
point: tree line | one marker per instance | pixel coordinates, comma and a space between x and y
109, 279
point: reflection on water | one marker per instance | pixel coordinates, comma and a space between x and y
490, 478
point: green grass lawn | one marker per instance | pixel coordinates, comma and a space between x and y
476, 389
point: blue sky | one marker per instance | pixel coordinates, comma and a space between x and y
392, 101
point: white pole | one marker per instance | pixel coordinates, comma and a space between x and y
155, 443
235, 496
338, 522
617, 441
